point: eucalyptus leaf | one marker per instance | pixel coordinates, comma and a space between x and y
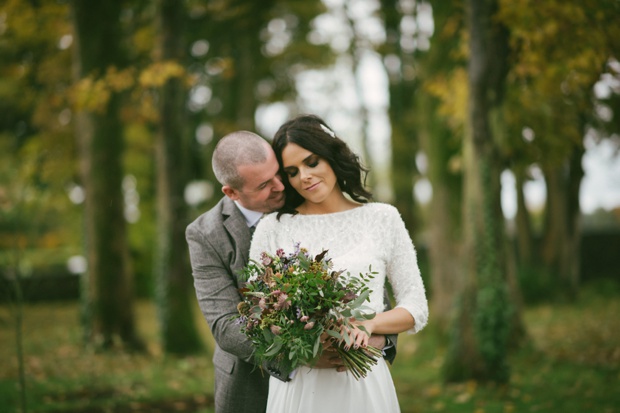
317, 346
334, 334
359, 300
273, 349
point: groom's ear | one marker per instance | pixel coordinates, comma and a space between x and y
230, 192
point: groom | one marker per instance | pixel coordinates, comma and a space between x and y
219, 245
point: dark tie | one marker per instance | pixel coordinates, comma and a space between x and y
252, 228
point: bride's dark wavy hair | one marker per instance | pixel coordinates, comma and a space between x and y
312, 133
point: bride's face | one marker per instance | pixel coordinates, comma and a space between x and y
308, 173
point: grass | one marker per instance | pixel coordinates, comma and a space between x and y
570, 363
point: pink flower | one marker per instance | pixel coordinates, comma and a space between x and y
303, 319
265, 259
280, 252
275, 329
309, 325
262, 303
282, 303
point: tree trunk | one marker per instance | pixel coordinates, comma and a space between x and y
523, 233
403, 139
562, 233
175, 284
478, 349
441, 146
108, 289
356, 51
444, 215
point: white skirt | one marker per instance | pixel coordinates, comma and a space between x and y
328, 391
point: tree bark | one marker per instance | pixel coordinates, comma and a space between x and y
404, 138
175, 284
562, 232
108, 288
478, 349
523, 233
441, 146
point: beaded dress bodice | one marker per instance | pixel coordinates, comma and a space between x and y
370, 236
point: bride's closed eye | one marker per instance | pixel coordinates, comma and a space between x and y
310, 162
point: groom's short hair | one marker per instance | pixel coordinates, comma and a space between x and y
236, 149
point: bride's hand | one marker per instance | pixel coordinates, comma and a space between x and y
359, 337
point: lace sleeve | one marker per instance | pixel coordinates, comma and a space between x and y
403, 272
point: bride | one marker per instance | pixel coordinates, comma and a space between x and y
327, 207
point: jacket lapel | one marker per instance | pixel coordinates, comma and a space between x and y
235, 224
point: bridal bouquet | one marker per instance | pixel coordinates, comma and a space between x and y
295, 305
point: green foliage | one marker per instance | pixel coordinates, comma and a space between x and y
295, 305
559, 50
571, 364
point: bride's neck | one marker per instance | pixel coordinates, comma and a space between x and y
339, 204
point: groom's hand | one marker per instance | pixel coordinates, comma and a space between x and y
378, 341
330, 360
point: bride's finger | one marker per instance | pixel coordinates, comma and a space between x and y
360, 339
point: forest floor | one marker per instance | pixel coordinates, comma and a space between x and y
569, 362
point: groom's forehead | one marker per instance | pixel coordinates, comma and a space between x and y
258, 174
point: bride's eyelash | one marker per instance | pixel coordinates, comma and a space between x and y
311, 163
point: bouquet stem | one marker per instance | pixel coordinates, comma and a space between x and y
359, 361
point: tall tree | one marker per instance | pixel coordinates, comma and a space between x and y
403, 85
560, 50
108, 293
175, 284
442, 69
478, 349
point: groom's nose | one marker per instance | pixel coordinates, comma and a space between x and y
278, 186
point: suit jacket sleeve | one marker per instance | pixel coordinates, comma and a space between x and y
217, 289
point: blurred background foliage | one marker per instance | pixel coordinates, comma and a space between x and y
109, 114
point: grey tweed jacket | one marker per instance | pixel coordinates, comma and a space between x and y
219, 245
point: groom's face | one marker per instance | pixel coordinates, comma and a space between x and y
262, 190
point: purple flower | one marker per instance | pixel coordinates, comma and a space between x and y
349, 296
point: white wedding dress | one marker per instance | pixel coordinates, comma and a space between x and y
373, 234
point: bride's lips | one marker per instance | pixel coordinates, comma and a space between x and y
312, 187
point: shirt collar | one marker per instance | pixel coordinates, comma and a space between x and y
251, 217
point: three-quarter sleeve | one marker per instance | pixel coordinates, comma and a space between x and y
403, 272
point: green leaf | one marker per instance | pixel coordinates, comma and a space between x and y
273, 349
359, 300
334, 334
317, 346
268, 335
363, 313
